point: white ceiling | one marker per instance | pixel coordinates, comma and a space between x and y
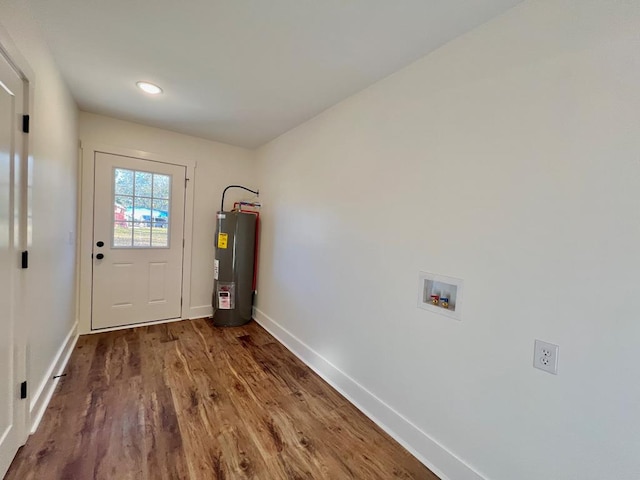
241, 71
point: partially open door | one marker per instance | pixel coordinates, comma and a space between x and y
12, 350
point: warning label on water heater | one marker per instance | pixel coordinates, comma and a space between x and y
222, 240
225, 294
224, 300
216, 269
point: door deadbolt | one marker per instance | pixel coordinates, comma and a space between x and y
100, 243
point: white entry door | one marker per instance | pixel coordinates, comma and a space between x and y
137, 240
12, 351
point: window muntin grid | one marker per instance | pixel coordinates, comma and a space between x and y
141, 208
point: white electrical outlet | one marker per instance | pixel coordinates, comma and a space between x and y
545, 356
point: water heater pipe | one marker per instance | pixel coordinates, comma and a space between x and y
255, 192
238, 205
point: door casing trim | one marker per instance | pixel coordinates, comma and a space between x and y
85, 206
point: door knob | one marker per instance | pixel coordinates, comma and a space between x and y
100, 256
100, 243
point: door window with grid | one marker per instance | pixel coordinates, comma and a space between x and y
141, 212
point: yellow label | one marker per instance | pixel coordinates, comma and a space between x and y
222, 240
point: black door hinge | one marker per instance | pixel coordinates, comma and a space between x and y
25, 259
25, 123
23, 390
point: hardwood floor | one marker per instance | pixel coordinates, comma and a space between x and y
187, 400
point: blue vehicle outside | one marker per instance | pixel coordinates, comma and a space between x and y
148, 217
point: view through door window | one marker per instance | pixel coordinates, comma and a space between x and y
140, 209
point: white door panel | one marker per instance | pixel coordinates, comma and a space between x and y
11, 406
138, 229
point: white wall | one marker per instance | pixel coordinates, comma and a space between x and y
53, 144
218, 165
509, 158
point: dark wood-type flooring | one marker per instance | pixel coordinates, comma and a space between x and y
187, 400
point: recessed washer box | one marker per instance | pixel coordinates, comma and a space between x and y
450, 288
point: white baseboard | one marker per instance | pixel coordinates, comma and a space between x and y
437, 458
42, 396
200, 312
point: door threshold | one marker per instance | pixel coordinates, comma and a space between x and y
134, 325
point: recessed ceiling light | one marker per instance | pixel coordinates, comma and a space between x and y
149, 88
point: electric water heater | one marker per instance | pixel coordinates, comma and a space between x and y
235, 246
